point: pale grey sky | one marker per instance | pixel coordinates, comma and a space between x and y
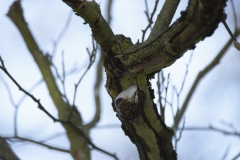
216, 99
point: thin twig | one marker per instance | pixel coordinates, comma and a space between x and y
24, 91
178, 93
99, 78
212, 128
180, 134
235, 41
226, 152
230, 125
92, 57
236, 157
234, 14
16, 106
147, 11
61, 77
150, 19
172, 103
165, 99
59, 38
53, 137
64, 78
159, 95
40, 106
228, 29
36, 142
201, 74
186, 73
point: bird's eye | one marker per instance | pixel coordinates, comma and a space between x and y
118, 101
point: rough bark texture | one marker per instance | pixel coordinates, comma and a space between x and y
5, 151
127, 64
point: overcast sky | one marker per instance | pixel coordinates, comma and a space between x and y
217, 98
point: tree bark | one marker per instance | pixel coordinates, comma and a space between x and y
79, 146
5, 151
127, 64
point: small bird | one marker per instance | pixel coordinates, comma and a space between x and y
130, 103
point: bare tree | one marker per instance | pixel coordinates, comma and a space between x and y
129, 68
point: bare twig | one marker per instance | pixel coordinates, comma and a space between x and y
229, 31
75, 69
150, 19
162, 107
177, 139
229, 125
147, 11
235, 41
165, 100
54, 136
178, 93
99, 77
61, 77
59, 38
73, 128
226, 152
199, 77
40, 106
234, 14
92, 57
24, 91
212, 128
236, 157
186, 73
36, 142
16, 106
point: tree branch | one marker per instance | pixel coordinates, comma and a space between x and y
38, 143
150, 19
91, 13
199, 77
92, 57
98, 81
5, 151
236, 157
196, 23
164, 18
79, 143
74, 127
212, 128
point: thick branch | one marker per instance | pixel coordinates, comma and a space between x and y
196, 23
79, 147
91, 13
5, 151
76, 127
99, 76
127, 64
164, 18
200, 75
